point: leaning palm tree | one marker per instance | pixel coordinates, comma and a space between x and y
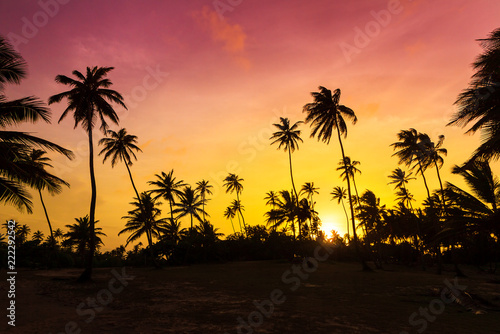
480, 102
339, 194
190, 204
168, 188
327, 115
232, 183
89, 99
120, 146
44, 180
15, 146
203, 187
287, 137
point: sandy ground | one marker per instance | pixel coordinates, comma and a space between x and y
247, 297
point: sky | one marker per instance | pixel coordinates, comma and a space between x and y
204, 82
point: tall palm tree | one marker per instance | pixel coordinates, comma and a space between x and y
340, 194
229, 213
434, 156
190, 204
287, 137
349, 169
232, 183
168, 188
479, 103
237, 207
144, 219
15, 146
327, 115
44, 180
89, 99
120, 146
203, 187
79, 236
410, 152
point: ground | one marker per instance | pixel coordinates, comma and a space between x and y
249, 297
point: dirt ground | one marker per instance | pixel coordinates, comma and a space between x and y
250, 297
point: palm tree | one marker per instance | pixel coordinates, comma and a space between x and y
400, 179
309, 189
15, 146
190, 203
410, 152
232, 183
37, 237
285, 212
44, 180
229, 214
237, 207
288, 137
168, 188
340, 194
434, 153
120, 146
89, 99
272, 198
479, 103
326, 115
203, 188
80, 235
144, 219
348, 168
172, 231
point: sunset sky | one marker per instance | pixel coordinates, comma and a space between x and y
205, 80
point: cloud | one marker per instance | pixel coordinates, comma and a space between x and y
231, 36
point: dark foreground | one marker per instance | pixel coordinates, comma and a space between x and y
251, 297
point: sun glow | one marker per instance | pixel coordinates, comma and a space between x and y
328, 225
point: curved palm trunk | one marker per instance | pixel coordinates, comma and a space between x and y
232, 225
425, 181
53, 241
87, 273
133, 186
294, 190
171, 210
203, 206
355, 237
347, 218
239, 209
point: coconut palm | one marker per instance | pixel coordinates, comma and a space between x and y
37, 237
232, 183
44, 180
172, 231
168, 188
15, 146
79, 236
349, 169
120, 146
272, 198
400, 179
340, 194
236, 207
144, 219
287, 137
229, 213
285, 212
434, 156
203, 187
309, 190
190, 204
89, 99
327, 115
410, 152
479, 103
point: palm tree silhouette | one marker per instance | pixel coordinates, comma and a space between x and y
203, 188
272, 198
288, 137
89, 99
190, 203
168, 188
479, 103
120, 146
236, 207
410, 152
232, 183
44, 180
144, 219
400, 179
229, 213
309, 189
348, 168
285, 212
80, 234
340, 194
37, 237
15, 146
326, 115
434, 153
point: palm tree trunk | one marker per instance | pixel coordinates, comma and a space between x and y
171, 211
133, 186
441, 186
53, 241
87, 273
425, 181
232, 225
355, 237
203, 206
347, 219
239, 209
293, 186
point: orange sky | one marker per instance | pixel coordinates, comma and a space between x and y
204, 85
